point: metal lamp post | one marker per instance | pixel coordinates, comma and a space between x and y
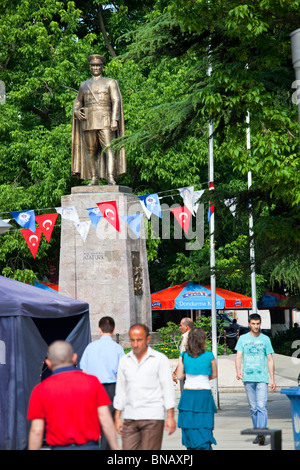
212, 256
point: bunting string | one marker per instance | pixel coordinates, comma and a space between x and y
160, 197
34, 226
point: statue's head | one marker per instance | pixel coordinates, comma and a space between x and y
96, 59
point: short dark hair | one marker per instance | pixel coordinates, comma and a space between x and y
107, 324
254, 316
141, 325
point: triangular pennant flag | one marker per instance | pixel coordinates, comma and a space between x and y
46, 222
187, 196
134, 222
95, 215
68, 213
83, 229
151, 204
110, 213
197, 195
32, 239
147, 212
183, 217
25, 218
211, 209
231, 204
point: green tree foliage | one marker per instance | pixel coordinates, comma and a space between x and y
41, 65
247, 45
159, 51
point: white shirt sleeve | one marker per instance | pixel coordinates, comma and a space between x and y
119, 398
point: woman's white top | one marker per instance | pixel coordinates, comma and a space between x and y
194, 382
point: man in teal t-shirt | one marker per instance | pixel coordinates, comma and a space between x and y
255, 350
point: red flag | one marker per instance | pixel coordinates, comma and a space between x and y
32, 239
110, 212
46, 223
183, 217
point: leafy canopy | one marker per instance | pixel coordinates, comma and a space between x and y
160, 53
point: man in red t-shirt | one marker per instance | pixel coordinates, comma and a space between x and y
69, 405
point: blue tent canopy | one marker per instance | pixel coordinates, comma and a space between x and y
270, 300
30, 319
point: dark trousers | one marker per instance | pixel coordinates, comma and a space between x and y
142, 434
110, 390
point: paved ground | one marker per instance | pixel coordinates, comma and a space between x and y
233, 414
233, 417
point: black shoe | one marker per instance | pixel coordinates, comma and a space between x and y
261, 440
255, 440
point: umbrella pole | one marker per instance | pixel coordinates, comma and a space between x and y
212, 258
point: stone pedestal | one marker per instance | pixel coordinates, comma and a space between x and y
109, 270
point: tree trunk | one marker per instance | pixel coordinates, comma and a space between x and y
103, 30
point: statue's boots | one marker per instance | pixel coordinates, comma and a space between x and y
110, 179
94, 181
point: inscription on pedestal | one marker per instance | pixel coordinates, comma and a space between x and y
93, 256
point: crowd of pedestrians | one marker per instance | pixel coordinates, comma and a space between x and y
133, 394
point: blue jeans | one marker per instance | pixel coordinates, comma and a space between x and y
257, 394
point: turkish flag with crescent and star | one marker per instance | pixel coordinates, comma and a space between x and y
110, 213
183, 217
46, 222
32, 239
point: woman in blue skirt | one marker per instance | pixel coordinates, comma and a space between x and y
196, 406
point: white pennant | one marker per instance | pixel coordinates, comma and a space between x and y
187, 196
68, 213
83, 229
231, 204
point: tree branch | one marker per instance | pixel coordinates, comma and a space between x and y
103, 30
44, 115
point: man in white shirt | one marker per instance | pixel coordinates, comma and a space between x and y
144, 391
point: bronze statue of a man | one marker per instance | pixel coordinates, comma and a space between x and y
97, 120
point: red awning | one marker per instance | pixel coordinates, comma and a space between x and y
192, 296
